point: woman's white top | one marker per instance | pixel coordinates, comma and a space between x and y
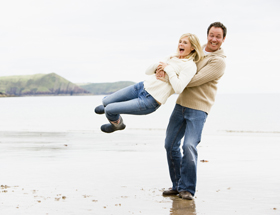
179, 73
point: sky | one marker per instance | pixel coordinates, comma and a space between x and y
93, 41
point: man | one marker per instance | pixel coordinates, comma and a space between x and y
190, 113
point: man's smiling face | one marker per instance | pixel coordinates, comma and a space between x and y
214, 39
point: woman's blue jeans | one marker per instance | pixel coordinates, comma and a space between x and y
130, 100
183, 168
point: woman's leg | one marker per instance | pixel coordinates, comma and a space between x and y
121, 95
142, 104
124, 94
134, 106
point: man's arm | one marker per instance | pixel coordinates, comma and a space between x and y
213, 70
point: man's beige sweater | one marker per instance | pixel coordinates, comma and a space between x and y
201, 91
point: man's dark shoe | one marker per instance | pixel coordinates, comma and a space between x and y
170, 192
99, 109
186, 195
111, 127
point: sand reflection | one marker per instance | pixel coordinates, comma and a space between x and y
182, 207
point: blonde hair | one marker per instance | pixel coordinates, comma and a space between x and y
197, 53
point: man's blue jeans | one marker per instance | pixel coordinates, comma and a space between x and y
183, 168
130, 100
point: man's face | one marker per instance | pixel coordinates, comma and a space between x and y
214, 39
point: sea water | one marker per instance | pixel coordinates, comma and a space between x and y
230, 113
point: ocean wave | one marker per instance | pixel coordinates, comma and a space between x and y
241, 131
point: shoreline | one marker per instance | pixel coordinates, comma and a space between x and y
48, 95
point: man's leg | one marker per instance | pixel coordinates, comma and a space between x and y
174, 133
195, 120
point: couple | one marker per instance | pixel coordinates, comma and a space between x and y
193, 72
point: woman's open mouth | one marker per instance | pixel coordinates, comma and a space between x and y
181, 50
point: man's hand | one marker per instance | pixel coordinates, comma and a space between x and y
160, 75
162, 65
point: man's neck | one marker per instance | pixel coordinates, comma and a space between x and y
206, 52
209, 52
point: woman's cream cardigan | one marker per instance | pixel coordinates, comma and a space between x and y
179, 73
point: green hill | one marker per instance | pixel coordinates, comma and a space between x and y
106, 88
39, 84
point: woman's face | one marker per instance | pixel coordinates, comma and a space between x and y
184, 47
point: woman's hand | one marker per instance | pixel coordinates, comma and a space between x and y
161, 66
160, 75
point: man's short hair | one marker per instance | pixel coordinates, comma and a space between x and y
218, 25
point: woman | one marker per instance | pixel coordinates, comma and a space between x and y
146, 97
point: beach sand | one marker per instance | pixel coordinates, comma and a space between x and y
126, 172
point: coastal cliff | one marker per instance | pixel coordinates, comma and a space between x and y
39, 84
4, 95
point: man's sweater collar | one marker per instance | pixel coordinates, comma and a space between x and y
219, 52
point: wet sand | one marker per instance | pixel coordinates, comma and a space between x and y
126, 172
